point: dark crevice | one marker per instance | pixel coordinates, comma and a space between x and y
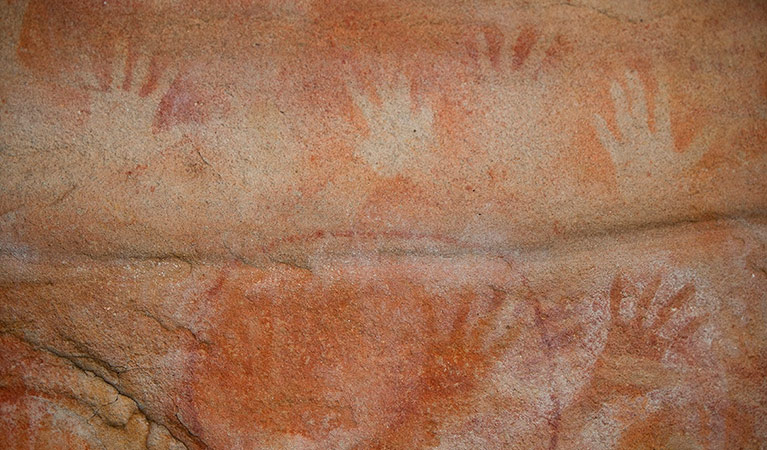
73, 360
174, 329
454, 248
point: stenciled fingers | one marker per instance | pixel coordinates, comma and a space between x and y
607, 138
638, 101
622, 115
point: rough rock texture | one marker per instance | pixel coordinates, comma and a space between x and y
383, 224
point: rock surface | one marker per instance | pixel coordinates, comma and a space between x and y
395, 224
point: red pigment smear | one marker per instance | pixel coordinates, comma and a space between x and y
182, 104
523, 46
494, 37
130, 65
152, 78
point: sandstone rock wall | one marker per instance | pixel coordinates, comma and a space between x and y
394, 224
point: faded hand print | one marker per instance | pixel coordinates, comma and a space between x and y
641, 340
646, 383
505, 88
400, 131
124, 104
458, 359
380, 366
531, 51
643, 155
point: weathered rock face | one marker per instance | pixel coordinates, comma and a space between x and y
359, 224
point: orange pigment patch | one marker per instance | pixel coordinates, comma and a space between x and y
686, 123
455, 126
387, 361
398, 199
587, 159
659, 430
382, 27
56, 34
